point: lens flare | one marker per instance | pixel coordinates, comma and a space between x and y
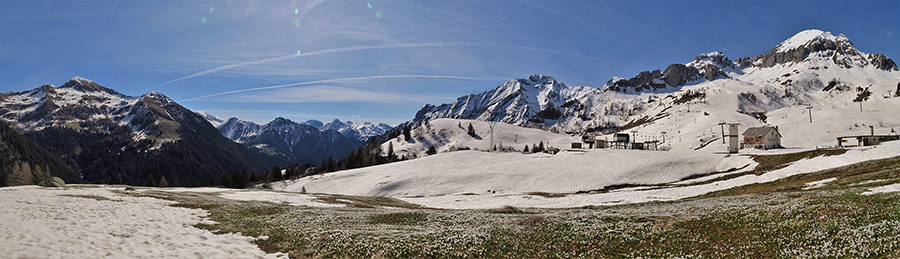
211, 9
296, 11
296, 22
370, 5
377, 14
203, 19
298, 53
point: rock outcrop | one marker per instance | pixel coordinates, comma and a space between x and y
53, 182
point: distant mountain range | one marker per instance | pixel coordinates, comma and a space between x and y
811, 67
307, 142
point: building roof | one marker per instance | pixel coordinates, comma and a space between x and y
760, 131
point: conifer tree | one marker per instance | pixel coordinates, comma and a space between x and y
471, 130
253, 177
431, 151
330, 166
149, 182
541, 147
275, 173
163, 182
239, 179
407, 135
391, 156
526, 149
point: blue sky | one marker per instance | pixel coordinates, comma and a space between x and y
380, 61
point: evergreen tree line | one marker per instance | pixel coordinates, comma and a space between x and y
113, 157
24, 162
240, 179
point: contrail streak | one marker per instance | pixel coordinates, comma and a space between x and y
334, 80
314, 53
363, 47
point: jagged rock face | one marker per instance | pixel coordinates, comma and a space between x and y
712, 72
239, 130
678, 74
744, 62
882, 62
774, 57
710, 66
645, 80
897, 92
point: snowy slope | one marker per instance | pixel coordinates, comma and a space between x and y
483, 180
477, 172
451, 134
638, 195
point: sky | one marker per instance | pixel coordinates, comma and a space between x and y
380, 61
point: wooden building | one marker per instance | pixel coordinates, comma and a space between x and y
766, 137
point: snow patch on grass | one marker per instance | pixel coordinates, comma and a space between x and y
99, 223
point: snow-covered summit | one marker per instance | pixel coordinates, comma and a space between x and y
715, 58
358, 131
216, 121
86, 85
805, 37
820, 49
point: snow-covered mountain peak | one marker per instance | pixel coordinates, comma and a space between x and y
81, 80
544, 83
281, 121
315, 123
816, 48
803, 38
337, 124
213, 119
715, 58
158, 97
